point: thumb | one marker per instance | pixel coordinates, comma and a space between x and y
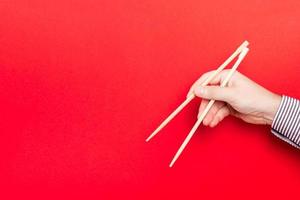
214, 92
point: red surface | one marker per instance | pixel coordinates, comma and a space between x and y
83, 83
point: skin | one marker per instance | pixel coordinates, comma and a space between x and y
242, 98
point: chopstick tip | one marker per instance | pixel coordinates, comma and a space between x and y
174, 160
153, 134
149, 138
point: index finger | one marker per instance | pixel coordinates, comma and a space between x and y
202, 79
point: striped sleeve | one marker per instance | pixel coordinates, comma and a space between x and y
286, 123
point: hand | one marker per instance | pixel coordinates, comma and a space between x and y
242, 98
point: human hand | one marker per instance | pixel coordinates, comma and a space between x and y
242, 98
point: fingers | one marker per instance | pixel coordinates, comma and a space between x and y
203, 105
219, 116
215, 92
200, 81
215, 81
212, 112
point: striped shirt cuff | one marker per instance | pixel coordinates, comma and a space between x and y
286, 123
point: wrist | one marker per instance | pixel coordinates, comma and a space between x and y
271, 108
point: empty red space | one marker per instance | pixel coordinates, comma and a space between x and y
83, 84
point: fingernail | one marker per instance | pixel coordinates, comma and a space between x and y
200, 91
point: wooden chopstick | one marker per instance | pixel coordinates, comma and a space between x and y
208, 107
192, 96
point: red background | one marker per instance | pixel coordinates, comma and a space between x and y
84, 82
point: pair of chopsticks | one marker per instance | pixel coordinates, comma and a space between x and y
241, 52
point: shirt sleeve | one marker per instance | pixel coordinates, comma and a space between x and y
286, 123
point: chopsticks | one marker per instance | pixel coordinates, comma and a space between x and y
192, 96
208, 107
241, 51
